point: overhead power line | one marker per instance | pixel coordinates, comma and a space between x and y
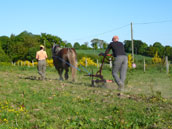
121, 27
153, 22
115, 29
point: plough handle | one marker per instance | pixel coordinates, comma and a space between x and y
103, 54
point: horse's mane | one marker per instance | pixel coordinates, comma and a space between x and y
54, 49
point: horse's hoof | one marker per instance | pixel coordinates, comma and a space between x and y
61, 79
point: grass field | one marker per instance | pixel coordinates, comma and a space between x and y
95, 53
27, 102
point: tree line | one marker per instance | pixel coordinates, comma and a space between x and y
142, 48
25, 45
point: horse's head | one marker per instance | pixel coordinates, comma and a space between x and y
55, 49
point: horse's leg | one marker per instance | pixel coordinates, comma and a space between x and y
66, 73
60, 71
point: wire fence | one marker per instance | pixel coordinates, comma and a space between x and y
144, 65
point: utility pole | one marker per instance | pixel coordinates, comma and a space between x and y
167, 65
44, 45
132, 43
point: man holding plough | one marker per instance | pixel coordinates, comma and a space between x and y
121, 62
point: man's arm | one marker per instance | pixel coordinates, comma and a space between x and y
37, 56
107, 51
46, 55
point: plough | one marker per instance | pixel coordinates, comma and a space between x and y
98, 77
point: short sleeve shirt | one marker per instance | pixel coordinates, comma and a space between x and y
117, 48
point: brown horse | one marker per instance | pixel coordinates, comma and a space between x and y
63, 58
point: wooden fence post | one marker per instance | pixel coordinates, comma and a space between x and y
167, 65
144, 65
32, 63
110, 63
85, 62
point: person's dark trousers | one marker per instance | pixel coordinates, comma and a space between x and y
120, 67
42, 68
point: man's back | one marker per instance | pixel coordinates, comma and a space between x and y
117, 48
41, 55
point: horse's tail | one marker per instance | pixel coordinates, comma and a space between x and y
72, 57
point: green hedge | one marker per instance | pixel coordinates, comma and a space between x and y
3, 56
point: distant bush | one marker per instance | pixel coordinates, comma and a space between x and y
3, 56
156, 59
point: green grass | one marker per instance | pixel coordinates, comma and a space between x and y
94, 54
27, 102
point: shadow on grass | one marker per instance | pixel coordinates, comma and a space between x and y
36, 78
76, 83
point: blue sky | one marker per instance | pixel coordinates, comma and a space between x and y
82, 20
